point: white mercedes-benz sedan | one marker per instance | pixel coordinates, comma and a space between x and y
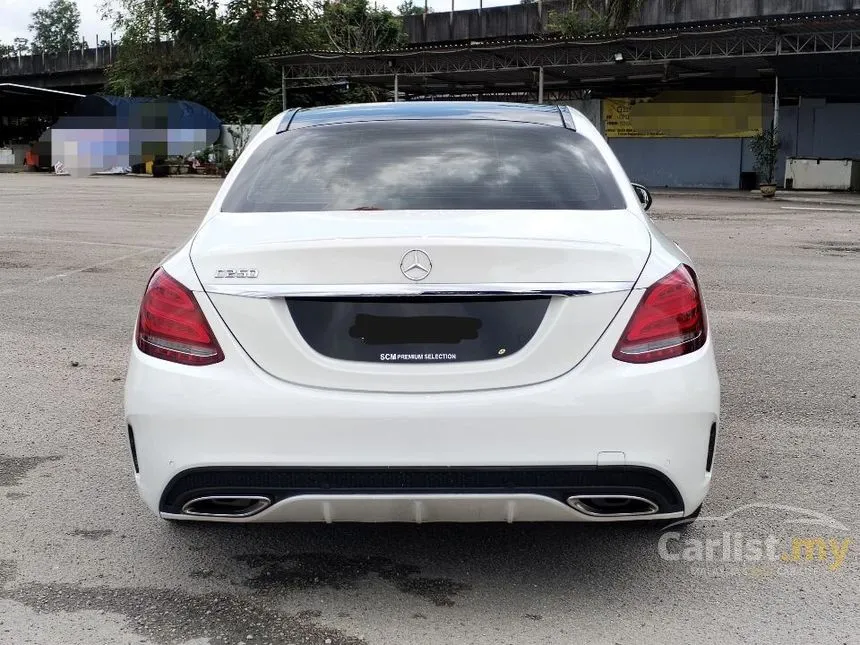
424, 312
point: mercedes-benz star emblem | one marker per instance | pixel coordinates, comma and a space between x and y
416, 265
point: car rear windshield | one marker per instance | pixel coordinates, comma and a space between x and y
429, 164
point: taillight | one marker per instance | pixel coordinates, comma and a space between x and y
171, 325
668, 322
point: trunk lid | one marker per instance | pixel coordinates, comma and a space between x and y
325, 299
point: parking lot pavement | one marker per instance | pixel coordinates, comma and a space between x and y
82, 561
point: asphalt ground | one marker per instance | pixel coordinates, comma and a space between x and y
83, 561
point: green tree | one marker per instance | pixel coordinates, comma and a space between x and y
254, 28
21, 45
765, 148
347, 26
209, 52
587, 17
619, 13
409, 8
212, 53
6, 50
55, 27
143, 63
353, 25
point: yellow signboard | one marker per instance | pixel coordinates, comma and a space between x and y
685, 114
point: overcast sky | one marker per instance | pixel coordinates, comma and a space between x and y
15, 15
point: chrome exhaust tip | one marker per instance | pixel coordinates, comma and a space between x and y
226, 506
613, 505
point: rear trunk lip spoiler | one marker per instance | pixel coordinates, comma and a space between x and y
567, 289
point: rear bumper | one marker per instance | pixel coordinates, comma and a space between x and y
419, 509
600, 416
421, 494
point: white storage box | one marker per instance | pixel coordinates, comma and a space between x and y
822, 174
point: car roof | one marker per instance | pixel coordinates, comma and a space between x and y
426, 110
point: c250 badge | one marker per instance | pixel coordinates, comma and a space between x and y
237, 273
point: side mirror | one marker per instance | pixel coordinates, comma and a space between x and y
644, 195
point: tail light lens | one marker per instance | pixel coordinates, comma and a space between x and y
171, 325
668, 322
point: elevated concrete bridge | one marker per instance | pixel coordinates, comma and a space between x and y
79, 70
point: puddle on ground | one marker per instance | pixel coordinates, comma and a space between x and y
92, 534
832, 247
307, 570
13, 469
7, 571
172, 616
